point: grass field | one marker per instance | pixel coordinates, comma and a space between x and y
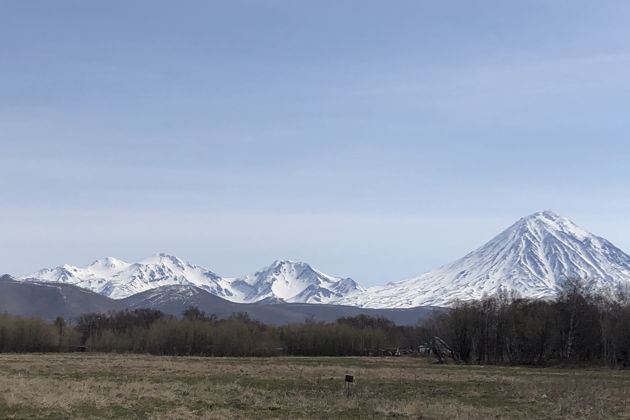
138, 386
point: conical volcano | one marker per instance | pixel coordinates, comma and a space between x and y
532, 257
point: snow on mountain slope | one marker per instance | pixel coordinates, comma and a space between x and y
118, 279
532, 257
293, 282
93, 277
282, 281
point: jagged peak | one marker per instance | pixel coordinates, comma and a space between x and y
161, 257
287, 266
108, 262
280, 263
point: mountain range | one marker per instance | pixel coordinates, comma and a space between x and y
532, 257
282, 281
49, 300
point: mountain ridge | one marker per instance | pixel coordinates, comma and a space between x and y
283, 280
533, 256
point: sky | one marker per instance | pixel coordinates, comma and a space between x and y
373, 139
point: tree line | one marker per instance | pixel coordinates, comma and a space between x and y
581, 325
198, 334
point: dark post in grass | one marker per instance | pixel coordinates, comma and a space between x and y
349, 379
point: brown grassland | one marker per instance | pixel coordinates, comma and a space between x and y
139, 386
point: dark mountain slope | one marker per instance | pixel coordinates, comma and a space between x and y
49, 300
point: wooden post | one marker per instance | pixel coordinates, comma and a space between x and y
349, 379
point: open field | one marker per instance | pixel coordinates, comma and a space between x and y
139, 386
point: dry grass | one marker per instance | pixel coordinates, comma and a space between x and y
133, 386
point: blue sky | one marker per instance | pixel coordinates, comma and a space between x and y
373, 139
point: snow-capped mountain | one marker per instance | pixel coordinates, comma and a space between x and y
293, 282
282, 281
117, 279
531, 257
